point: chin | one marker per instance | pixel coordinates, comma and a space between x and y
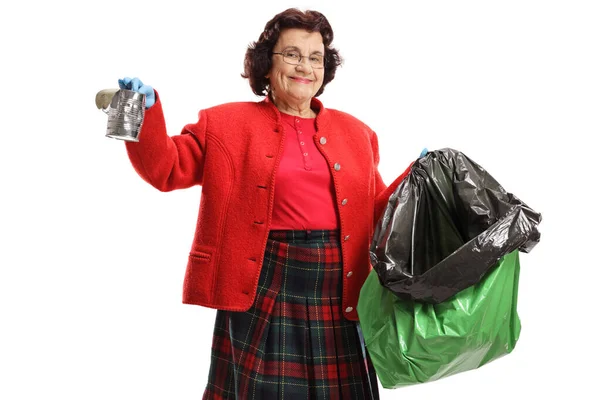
302, 95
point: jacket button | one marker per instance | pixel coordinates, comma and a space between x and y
349, 309
349, 274
337, 166
323, 140
344, 202
347, 237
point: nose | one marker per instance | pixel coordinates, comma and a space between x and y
305, 60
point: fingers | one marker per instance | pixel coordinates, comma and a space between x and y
136, 84
147, 90
130, 83
150, 97
124, 83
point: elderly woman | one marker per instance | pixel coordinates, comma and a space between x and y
290, 194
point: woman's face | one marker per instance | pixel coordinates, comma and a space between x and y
296, 84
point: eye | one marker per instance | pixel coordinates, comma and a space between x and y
316, 59
294, 55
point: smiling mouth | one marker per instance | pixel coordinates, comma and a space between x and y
301, 80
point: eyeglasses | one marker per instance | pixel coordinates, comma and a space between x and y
295, 58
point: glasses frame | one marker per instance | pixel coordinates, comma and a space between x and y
300, 61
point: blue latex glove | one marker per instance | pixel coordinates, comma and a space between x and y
424, 152
137, 85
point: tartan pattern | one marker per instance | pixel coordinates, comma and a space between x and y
293, 343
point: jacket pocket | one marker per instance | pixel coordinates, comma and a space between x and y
200, 274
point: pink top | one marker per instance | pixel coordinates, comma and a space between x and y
304, 193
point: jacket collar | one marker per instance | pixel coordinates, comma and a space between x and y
272, 112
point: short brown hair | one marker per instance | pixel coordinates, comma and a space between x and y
257, 62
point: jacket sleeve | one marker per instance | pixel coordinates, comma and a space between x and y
165, 162
382, 191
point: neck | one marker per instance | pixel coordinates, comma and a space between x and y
298, 109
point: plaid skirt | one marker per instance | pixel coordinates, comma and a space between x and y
293, 343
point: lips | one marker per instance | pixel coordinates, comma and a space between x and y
300, 80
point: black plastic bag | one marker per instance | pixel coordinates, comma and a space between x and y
445, 226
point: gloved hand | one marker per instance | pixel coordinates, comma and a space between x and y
136, 85
424, 152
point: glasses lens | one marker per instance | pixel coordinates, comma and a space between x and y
316, 61
295, 58
291, 57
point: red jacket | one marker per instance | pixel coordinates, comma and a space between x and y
233, 152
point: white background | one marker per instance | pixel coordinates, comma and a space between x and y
92, 258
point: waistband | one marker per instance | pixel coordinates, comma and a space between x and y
305, 236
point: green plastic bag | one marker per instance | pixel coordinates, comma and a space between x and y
415, 342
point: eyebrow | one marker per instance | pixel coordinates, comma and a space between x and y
297, 49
